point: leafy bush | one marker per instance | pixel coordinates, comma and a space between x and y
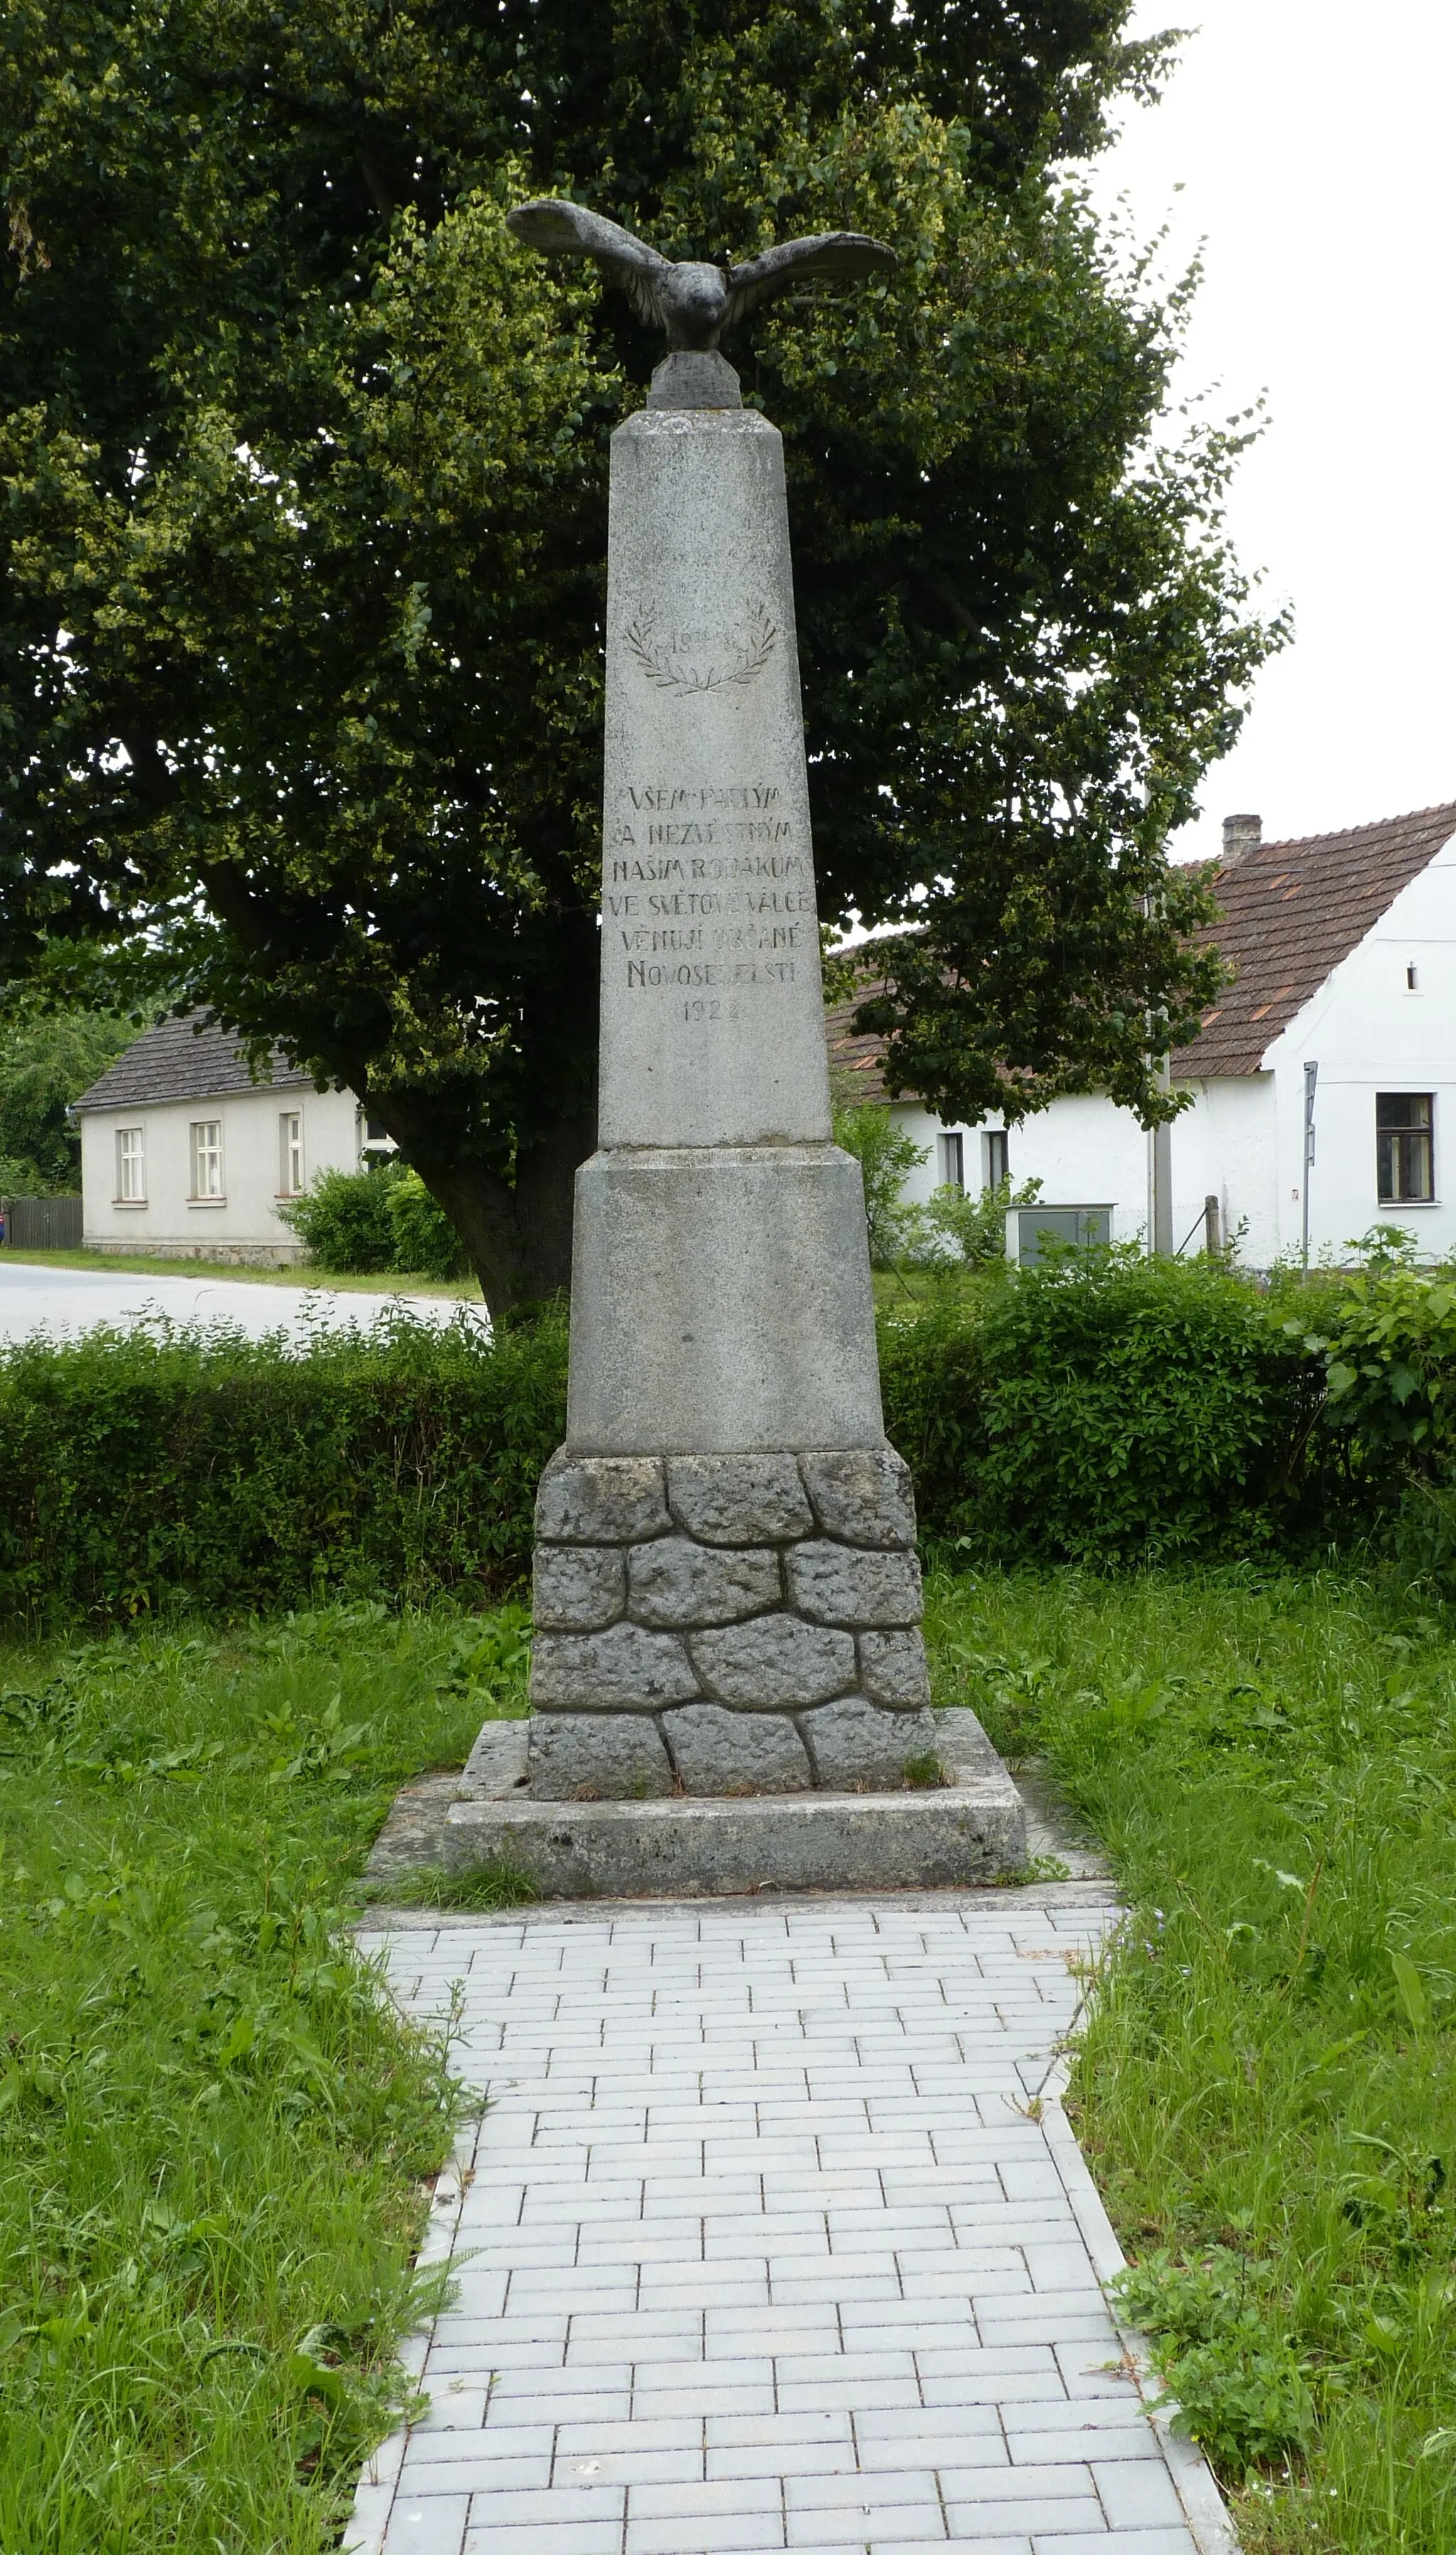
1240, 2390
425, 1243
886, 1156
344, 1221
972, 1222
1103, 1408
158, 1467
360, 1224
1388, 1348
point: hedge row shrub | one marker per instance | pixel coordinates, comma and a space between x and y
1103, 1410
158, 1467
1108, 1408
361, 1224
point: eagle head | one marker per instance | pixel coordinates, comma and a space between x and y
694, 304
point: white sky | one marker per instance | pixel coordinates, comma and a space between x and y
1312, 143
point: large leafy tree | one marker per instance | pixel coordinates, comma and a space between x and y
305, 522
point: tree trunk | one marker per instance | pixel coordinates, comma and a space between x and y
518, 1239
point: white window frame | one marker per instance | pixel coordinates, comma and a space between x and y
995, 1158
291, 1153
952, 1151
131, 1166
205, 1138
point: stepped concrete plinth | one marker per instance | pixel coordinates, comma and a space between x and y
969, 1829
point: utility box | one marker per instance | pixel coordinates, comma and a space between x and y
1029, 1230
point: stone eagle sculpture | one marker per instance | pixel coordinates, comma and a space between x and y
693, 300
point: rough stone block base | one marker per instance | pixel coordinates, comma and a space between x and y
970, 1830
727, 1624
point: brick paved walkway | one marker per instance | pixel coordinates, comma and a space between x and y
775, 2236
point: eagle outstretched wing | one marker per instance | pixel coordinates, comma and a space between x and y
569, 230
828, 253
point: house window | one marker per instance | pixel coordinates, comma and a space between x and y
1405, 1155
953, 1163
207, 1159
131, 1167
291, 1154
997, 1162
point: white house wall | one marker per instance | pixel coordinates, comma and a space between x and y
244, 1224
1083, 1151
1225, 1146
1368, 1033
1242, 1139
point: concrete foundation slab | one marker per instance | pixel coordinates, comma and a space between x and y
972, 1830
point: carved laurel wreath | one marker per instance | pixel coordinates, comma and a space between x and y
666, 664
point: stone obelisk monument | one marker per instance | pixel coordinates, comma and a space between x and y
727, 1595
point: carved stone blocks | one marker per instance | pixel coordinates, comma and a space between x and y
726, 1625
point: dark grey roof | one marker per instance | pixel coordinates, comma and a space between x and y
181, 1061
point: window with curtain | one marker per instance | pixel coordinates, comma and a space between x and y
1404, 1150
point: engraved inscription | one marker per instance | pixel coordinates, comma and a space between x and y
683, 658
705, 892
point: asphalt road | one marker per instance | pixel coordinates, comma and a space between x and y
66, 1301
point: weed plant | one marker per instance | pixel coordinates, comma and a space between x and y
217, 2136
1268, 2088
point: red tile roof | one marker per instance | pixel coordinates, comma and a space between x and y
1290, 912
856, 1057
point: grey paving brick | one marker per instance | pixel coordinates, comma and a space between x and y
784, 2430
433, 2525
970, 2520
1007, 2484
1136, 2438
579, 2537
633, 2467
742, 2495
1124, 2541
728, 2532
553, 2506
771, 2458
891, 2488
464, 2474
1083, 2417
754, 2222
612, 2404
983, 2545
883, 2525
1136, 2495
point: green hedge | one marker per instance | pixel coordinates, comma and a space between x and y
151, 1469
1103, 1411
1108, 1408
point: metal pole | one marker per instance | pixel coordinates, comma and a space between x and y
1161, 1178
1311, 1077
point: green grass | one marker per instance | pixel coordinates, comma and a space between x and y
160, 1263
1266, 2091
215, 2136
